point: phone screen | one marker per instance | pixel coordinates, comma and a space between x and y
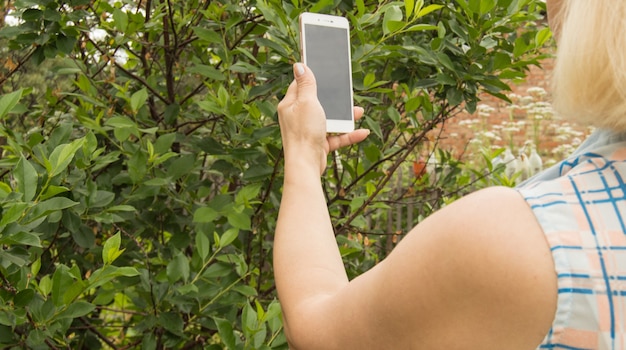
328, 56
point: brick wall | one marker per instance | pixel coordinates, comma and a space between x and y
530, 121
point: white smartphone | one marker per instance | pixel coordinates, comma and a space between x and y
325, 45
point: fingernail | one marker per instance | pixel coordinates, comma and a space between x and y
298, 69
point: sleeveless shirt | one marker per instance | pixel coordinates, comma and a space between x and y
581, 205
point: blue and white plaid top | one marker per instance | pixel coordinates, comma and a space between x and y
581, 205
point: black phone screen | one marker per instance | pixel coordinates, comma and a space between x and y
328, 56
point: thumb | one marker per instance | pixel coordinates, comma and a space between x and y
307, 87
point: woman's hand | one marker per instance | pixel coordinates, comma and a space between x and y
303, 123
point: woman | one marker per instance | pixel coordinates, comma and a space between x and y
542, 266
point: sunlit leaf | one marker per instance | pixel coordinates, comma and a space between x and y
8, 102
111, 249
62, 155
138, 99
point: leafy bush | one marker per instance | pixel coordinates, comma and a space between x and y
141, 158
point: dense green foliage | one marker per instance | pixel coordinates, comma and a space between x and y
141, 159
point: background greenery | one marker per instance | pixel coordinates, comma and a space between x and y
141, 162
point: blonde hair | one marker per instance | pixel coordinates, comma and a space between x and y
589, 78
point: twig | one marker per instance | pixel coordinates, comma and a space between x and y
95, 331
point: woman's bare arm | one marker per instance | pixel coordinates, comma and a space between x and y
476, 275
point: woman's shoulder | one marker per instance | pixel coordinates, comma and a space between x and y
487, 254
486, 219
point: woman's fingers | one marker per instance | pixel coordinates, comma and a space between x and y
356, 136
358, 112
343, 140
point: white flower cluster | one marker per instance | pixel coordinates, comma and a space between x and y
522, 166
531, 118
11, 20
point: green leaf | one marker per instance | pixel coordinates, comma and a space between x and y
164, 143
8, 102
36, 337
122, 134
445, 61
207, 72
172, 322
35, 267
13, 213
259, 310
26, 178
138, 99
77, 309
10, 258
45, 285
21, 238
225, 329
246, 291
428, 9
4, 190
23, 297
149, 341
172, 112
123, 207
158, 182
228, 237
487, 5
392, 21
223, 96
121, 122
318, 6
542, 37
51, 15
248, 193
474, 5
65, 44
409, 5
249, 320
49, 206
120, 20
273, 311
203, 245
520, 48
369, 79
207, 35
73, 291
127, 271
178, 268
421, 27
413, 104
62, 155
181, 167
84, 237
137, 165
360, 5
99, 199
53, 190
240, 220
111, 249
60, 280
454, 96
109, 272
394, 115
32, 14
374, 126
